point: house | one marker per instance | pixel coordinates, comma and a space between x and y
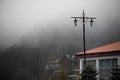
103, 58
52, 66
68, 63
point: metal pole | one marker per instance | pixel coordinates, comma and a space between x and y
84, 47
84, 42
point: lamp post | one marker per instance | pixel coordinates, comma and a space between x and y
91, 23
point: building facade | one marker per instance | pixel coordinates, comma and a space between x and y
102, 58
68, 63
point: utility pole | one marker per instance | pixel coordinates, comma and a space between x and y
91, 23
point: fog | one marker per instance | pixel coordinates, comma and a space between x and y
38, 20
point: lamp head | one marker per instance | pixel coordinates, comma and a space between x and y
75, 22
91, 22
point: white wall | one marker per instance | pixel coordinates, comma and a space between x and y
97, 60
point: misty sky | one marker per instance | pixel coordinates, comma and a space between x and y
20, 18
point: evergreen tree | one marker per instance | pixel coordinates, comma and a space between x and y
89, 73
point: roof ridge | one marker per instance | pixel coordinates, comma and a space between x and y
104, 48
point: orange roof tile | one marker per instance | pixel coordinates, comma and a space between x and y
106, 48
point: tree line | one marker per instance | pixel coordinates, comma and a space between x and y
25, 62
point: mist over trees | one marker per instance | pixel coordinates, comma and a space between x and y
27, 60
33, 32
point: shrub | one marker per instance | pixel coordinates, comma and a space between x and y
89, 73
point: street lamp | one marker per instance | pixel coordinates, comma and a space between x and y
91, 23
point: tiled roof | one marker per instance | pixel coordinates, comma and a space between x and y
106, 48
55, 61
73, 58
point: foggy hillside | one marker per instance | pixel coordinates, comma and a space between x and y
34, 32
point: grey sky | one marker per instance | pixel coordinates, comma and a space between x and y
19, 18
